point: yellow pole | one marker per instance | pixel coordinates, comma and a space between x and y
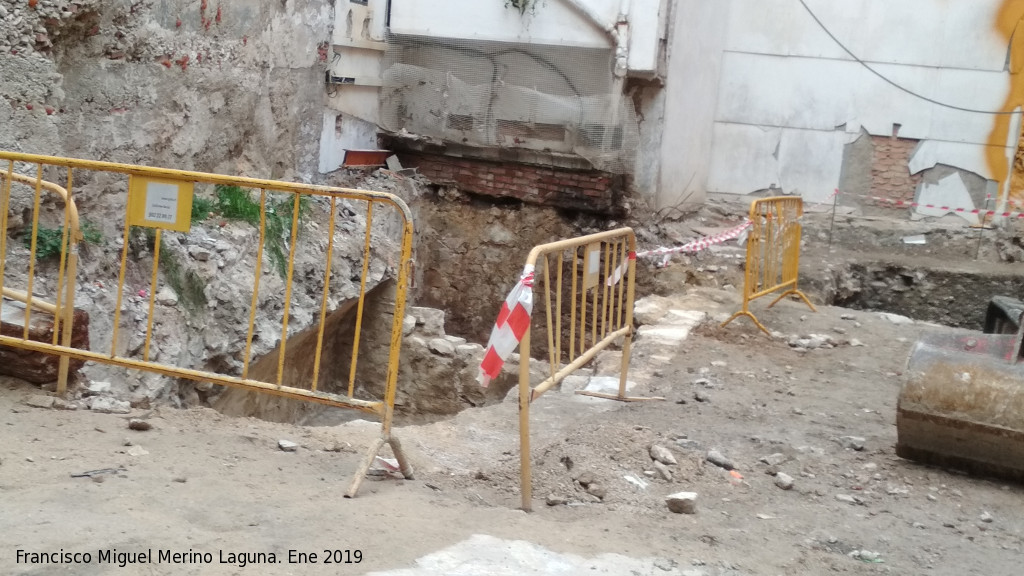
69, 320
323, 303
524, 422
152, 295
288, 291
547, 308
6, 207
32, 249
359, 306
256, 283
120, 287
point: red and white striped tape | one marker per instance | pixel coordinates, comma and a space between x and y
693, 246
513, 321
957, 209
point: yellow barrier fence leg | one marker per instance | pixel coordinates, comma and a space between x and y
403, 463
364, 467
525, 482
798, 293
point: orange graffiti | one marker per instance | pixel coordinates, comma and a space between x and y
1010, 27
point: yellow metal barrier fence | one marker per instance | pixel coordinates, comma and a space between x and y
160, 200
773, 253
600, 310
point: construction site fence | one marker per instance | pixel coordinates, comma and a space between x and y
587, 299
160, 202
773, 253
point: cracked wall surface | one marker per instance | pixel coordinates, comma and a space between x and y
787, 102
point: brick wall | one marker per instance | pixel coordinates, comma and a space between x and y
890, 175
586, 190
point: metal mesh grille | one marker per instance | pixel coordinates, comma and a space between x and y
482, 93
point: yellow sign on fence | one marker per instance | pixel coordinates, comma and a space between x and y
160, 203
773, 253
162, 199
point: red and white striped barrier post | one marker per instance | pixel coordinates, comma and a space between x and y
513, 321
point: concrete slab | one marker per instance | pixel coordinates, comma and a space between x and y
482, 554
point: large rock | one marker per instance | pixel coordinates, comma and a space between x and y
682, 502
429, 320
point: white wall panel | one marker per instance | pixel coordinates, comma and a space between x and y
743, 159
937, 33
555, 22
819, 94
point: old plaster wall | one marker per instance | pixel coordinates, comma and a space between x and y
218, 86
784, 101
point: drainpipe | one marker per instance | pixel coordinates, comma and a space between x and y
618, 31
621, 35
583, 8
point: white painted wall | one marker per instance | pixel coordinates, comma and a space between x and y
782, 98
697, 43
555, 21
352, 111
342, 132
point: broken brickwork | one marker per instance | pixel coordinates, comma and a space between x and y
890, 175
585, 190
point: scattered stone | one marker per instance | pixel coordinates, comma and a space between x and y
848, 499
933, 497
140, 425
784, 481
287, 445
105, 405
856, 343
639, 483
852, 442
431, 320
688, 444
29, 459
661, 454
473, 351
597, 490
180, 479
848, 317
718, 459
663, 471
918, 525
703, 382
408, 325
866, 555
166, 296
40, 401
586, 478
137, 451
895, 318
719, 363
441, 346
98, 388
701, 396
682, 502
553, 500
775, 459
199, 252
986, 517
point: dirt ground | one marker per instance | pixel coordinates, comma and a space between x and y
215, 484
